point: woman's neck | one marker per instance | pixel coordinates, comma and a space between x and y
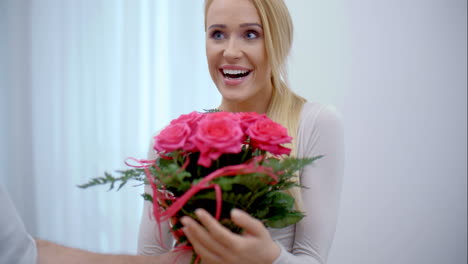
258, 107
258, 103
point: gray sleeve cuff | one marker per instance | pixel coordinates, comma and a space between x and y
287, 258
282, 258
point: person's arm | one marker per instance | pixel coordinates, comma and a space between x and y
321, 133
150, 249
150, 241
51, 253
16, 245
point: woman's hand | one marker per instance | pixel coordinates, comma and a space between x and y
217, 244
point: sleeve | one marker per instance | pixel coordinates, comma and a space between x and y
16, 245
321, 134
150, 241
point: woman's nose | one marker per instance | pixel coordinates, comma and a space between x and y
232, 50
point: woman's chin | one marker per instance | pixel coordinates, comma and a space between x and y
233, 94
234, 98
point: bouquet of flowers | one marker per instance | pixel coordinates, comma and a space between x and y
218, 161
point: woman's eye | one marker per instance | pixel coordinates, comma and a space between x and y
217, 35
251, 35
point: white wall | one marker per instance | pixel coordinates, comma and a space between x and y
397, 71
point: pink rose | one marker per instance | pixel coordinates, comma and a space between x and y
173, 137
221, 115
191, 119
267, 135
248, 118
217, 133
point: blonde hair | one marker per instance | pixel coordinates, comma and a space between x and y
285, 106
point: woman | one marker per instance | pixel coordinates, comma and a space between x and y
247, 44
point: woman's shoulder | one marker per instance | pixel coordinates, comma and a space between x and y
320, 126
315, 114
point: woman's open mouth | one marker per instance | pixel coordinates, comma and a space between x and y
234, 76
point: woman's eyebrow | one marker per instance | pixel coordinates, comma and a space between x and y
217, 26
241, 25
251, 24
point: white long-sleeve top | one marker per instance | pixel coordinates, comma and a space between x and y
16, 245
320, 133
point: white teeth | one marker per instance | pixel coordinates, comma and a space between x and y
226, 71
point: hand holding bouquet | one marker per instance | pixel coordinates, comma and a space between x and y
218, 161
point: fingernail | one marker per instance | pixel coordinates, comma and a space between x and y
199, 212
184, 220
235, 212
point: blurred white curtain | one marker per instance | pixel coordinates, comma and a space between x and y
84, 85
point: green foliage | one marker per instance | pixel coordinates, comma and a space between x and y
132, 174
172, 176
256, 193
214, 110
147, 197
283, 219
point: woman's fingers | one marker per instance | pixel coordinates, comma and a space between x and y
251, 225
217, 244
207, 255
201, 240
254, 228
220, 233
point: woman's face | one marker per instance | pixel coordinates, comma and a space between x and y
236, 54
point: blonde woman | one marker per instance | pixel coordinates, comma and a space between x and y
247, 44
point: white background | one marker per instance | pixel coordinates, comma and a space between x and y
397, 71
